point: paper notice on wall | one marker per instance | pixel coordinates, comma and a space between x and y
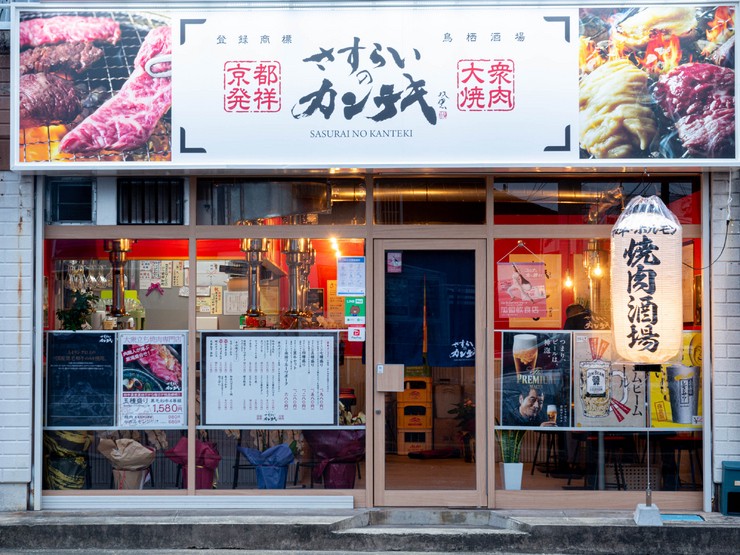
145, 278
178, 273
165, 274
334, 303
235, 302
156, 271
213, 303
269, 299
217, 299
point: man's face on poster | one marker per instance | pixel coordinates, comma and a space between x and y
531, 405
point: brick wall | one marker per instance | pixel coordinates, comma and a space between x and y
725, 307
16, 339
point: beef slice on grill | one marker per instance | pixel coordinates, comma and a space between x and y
67, 28
46, 99
76, 57
125, 121
700, 100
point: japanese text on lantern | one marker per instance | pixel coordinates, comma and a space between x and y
642, 310
485, 85
252, 86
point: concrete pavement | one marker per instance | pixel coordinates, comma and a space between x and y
364, 531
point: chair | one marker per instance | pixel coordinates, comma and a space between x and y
240, 465
550, 452
613, 445
692, 444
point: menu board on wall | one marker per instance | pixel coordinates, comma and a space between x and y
80, 379
269, 378
152, 391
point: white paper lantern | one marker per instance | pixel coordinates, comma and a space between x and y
647, 306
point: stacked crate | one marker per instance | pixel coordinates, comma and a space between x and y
414, 415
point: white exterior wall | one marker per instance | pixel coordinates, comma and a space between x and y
725, 309
16, 339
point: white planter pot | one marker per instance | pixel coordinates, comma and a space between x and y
512, 475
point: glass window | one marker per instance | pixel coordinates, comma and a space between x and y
577, 201
430, 201
237, 201
568, 408
115, 383
263, 297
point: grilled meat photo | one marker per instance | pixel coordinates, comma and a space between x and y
46, 99
74, 57
700, 100
125, 121
67, 28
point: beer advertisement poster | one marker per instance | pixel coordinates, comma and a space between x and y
535, 388
605, 394
675, 390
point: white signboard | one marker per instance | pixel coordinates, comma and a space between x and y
269, 378
153, 380
383, 87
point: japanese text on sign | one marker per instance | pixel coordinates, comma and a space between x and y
270, 378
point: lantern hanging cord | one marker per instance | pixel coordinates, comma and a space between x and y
728, 220
520, 244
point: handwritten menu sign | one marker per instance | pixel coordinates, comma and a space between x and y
152, 391
269, 378
81, 379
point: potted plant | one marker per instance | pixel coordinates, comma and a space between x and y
75, 317
510, 444
465, 415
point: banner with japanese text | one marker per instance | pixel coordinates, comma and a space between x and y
389, 86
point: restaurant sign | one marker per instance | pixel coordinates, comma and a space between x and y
373, 87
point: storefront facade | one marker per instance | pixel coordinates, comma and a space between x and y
357, 268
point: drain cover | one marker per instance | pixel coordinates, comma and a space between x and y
681, 518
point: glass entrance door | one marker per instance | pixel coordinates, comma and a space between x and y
430, 430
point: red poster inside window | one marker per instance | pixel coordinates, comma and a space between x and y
521, 290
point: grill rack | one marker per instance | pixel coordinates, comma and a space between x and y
110, 73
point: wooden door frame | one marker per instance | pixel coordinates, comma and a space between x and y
431, 498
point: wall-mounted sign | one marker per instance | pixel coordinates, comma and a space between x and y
381, 87
269, 378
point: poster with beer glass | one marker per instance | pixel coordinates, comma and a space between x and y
605, 393
675, 390
535, 378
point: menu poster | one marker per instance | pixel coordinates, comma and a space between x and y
605, 394
153, 381
535, 382
675, 390
80, 379
269, 378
